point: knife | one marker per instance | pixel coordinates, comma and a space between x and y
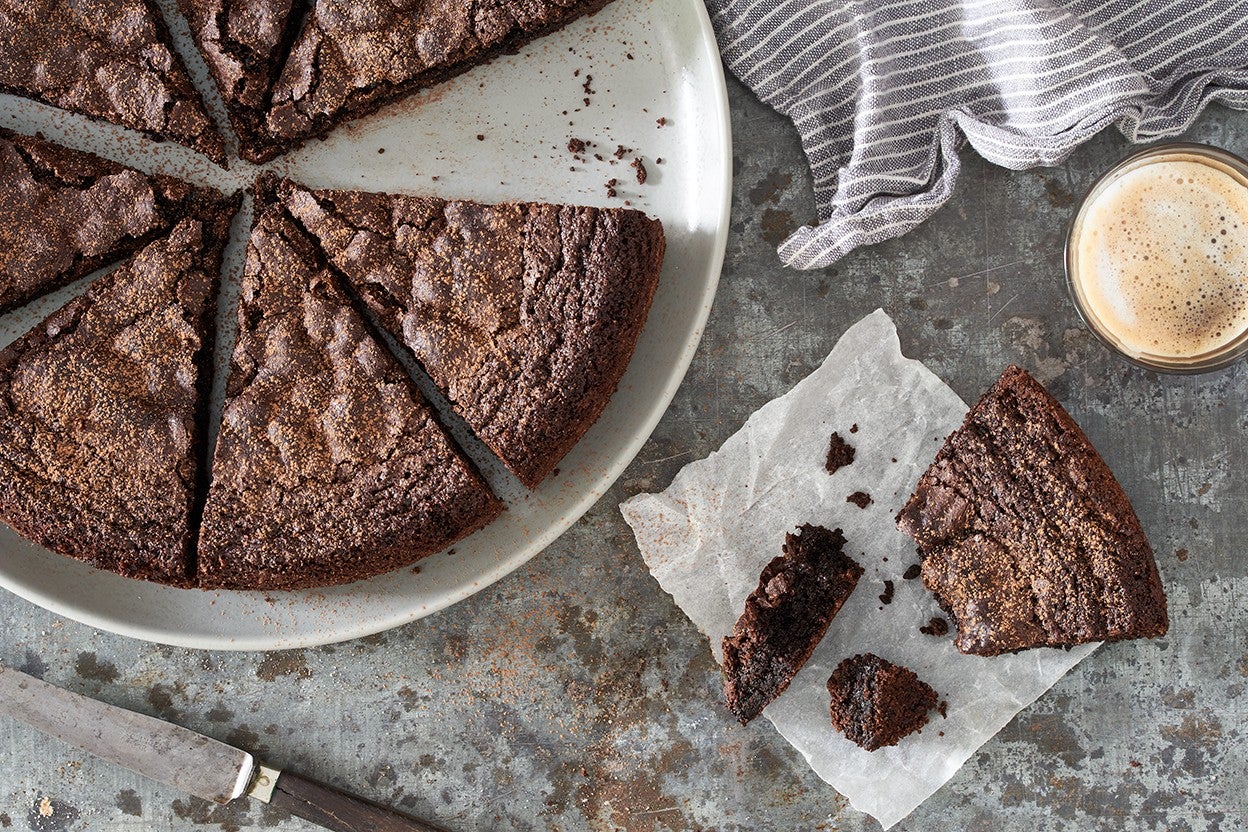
186, 760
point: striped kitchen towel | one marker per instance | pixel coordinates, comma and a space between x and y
885, 92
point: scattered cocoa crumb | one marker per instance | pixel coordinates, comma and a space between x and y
936, 627
943, 709
854, 428
586, 100
840, 454
611, 183
662, 122
887, 596
480, 137
641, 173
1134, 763
589, 79
912, 572
894, 459
598, 156
381, 150
940, 733
415, 570
1181, 554
628, 55
576, 146
621, 150
554, 472
859, 498
659, 161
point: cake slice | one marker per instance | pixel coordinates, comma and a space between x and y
64, 214
524, 314
245, 46
103, 405
349, 62
876, 703
106, 59
1026, 538
329, 465
785, 618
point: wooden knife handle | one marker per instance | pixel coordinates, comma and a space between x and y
337, 810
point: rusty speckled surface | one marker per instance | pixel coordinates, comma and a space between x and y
574, 696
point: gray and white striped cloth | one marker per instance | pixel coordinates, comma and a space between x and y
885, 92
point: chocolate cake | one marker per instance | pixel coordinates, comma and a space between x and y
876, 703
525, 315
344, 65
106, 59
102, 410
245, 46
840, 454
1026, 538
64, 214
329, 467
785, 618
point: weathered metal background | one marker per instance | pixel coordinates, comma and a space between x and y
574, 696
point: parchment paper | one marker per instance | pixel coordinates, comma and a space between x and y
708, 536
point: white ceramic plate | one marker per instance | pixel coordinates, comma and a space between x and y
499, 132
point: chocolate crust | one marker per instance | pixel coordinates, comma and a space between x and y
785, 618
333, 74
65, 213
525, 315
110, 60
1026, 538
330, 467
102, 410
245, 46
876, 703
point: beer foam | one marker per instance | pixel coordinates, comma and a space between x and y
1161, 257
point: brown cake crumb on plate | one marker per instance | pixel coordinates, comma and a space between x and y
876, 703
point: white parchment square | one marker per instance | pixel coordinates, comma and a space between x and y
709, 535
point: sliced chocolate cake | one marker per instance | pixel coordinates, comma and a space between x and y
347, 63
876, 703
106, 59
329, 466
525, 315
102, 410
785, 618
1026, 538
245, 46
64, 214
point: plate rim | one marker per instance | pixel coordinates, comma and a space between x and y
655, 409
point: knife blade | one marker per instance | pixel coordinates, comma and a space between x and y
186, 760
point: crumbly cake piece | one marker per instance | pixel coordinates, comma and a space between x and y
330, 467
876, 703
1026, 538
525, 315
840, 454
346, 65
103, 409
245, 45
785, 618
106, 59
64, 214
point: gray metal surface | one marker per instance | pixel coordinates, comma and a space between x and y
573, 696
198, 765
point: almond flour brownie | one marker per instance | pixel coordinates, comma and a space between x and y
330, 467
105, 59
876, 703
64, 214
785, 618
1026, 538
103, 405
352, 58
245, 45
525, 315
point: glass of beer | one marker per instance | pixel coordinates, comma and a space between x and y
1157, 258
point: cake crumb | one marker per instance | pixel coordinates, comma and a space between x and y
887, 596
576, 146
641, 177
662, 121
480, 137
936, 627
840, 454
859, 498
943, 709
854, 428
912, 572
